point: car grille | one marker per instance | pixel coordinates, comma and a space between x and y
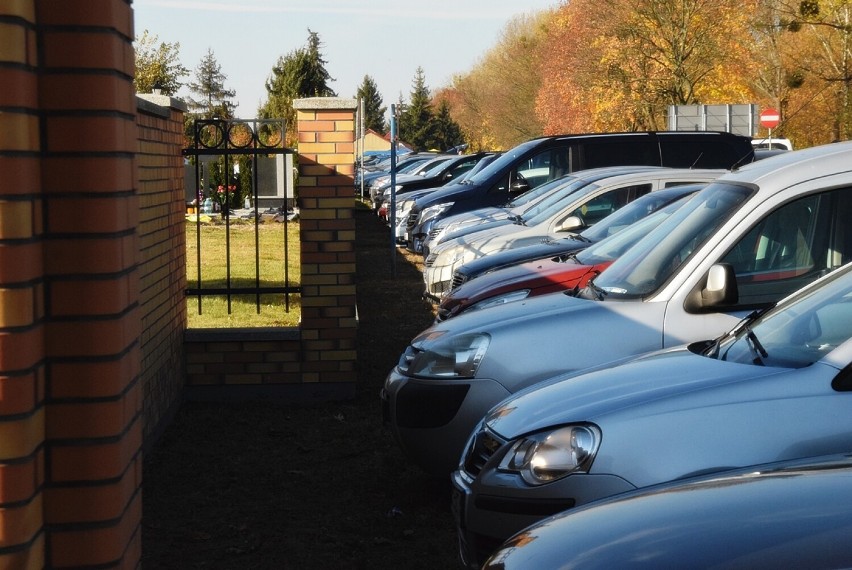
438, 288
412, 220
458, 280
435, 232
484, 446
430, 259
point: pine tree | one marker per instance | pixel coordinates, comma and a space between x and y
448, 133
209, 85
416, 122
374, 110
301, 73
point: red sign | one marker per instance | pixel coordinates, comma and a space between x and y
770, 118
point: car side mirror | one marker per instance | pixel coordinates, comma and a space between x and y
717, 289
570, 224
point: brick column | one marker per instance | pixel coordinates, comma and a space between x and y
326, 200
93, 426
22, 357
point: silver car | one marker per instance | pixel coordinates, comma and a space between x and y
743, 242
776, 387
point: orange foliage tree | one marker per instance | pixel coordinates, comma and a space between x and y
619, 64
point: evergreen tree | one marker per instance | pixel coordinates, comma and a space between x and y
157, 66
209, 86
448, 133
374, 110
416, 122
299, 74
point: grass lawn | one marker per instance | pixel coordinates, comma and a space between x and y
238, 246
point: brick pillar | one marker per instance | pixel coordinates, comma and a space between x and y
22, 357
326, 200
93, 427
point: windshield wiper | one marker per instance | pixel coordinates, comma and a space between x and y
599, 293
756, 348
579, 237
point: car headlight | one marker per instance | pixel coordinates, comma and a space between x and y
448, 357
435, 211
544, 457
500, 300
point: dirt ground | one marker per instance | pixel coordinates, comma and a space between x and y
272, 485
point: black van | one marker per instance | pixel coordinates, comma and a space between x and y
543, 159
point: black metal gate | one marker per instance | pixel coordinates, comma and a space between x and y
225, 141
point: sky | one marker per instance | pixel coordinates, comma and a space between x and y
384, 39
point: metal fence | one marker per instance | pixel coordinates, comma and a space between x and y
221, 152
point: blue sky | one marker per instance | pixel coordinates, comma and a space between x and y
384, 39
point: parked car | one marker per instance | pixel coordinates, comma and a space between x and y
411, 168
743, 242
621, 219
542, 276
591, 197
793, 514
438, 174
382, 168
537, 161
776, 387
520, 207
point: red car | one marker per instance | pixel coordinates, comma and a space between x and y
548, 275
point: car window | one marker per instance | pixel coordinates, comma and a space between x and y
790, 246
605, 204
629, 150
697, 153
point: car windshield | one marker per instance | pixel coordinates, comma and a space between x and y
505, 161
797, 333
654, 259
615, 245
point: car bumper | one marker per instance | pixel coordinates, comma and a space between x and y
432, 419
493, 506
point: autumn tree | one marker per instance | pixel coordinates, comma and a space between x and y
299, 74
494, 103
374, 109
825, 58
157, 65
620, 64
212, 98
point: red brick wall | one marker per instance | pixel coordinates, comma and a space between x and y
162, 265
70, 414
92, 278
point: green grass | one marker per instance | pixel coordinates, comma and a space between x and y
214, 255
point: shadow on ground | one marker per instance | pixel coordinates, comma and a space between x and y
272, 485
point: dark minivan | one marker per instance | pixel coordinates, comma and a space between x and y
543, 159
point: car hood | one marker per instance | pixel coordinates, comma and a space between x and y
539, 250
540, 273
607, 389
508, 316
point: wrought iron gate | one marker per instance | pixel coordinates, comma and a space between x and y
225, 140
